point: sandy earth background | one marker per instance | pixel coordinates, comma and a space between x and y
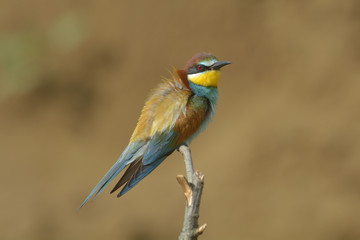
281, 158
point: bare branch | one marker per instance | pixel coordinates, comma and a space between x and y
185, 151
192, 187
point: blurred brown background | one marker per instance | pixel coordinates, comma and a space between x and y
281, 157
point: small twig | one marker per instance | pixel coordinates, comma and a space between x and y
192, 190
186, 188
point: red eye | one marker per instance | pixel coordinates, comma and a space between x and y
200, 67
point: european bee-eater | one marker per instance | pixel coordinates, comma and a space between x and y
177, 111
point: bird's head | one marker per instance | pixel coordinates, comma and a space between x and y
203, 69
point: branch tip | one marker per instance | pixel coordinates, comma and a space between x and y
201, 229
200, 176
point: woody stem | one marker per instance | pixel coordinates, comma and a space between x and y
192, 187
185, 151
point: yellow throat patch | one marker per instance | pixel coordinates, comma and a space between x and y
207, 79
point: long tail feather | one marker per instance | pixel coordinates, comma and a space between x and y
109, 176
141, 172
128, 174
132, 152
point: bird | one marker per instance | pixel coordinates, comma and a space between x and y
175, 113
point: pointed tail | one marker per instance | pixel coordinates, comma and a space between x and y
131, 153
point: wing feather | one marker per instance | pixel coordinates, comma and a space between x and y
162, 109
130, 171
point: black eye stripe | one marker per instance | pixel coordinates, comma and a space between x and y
197, 68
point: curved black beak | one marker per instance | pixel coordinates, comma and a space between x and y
219, 64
